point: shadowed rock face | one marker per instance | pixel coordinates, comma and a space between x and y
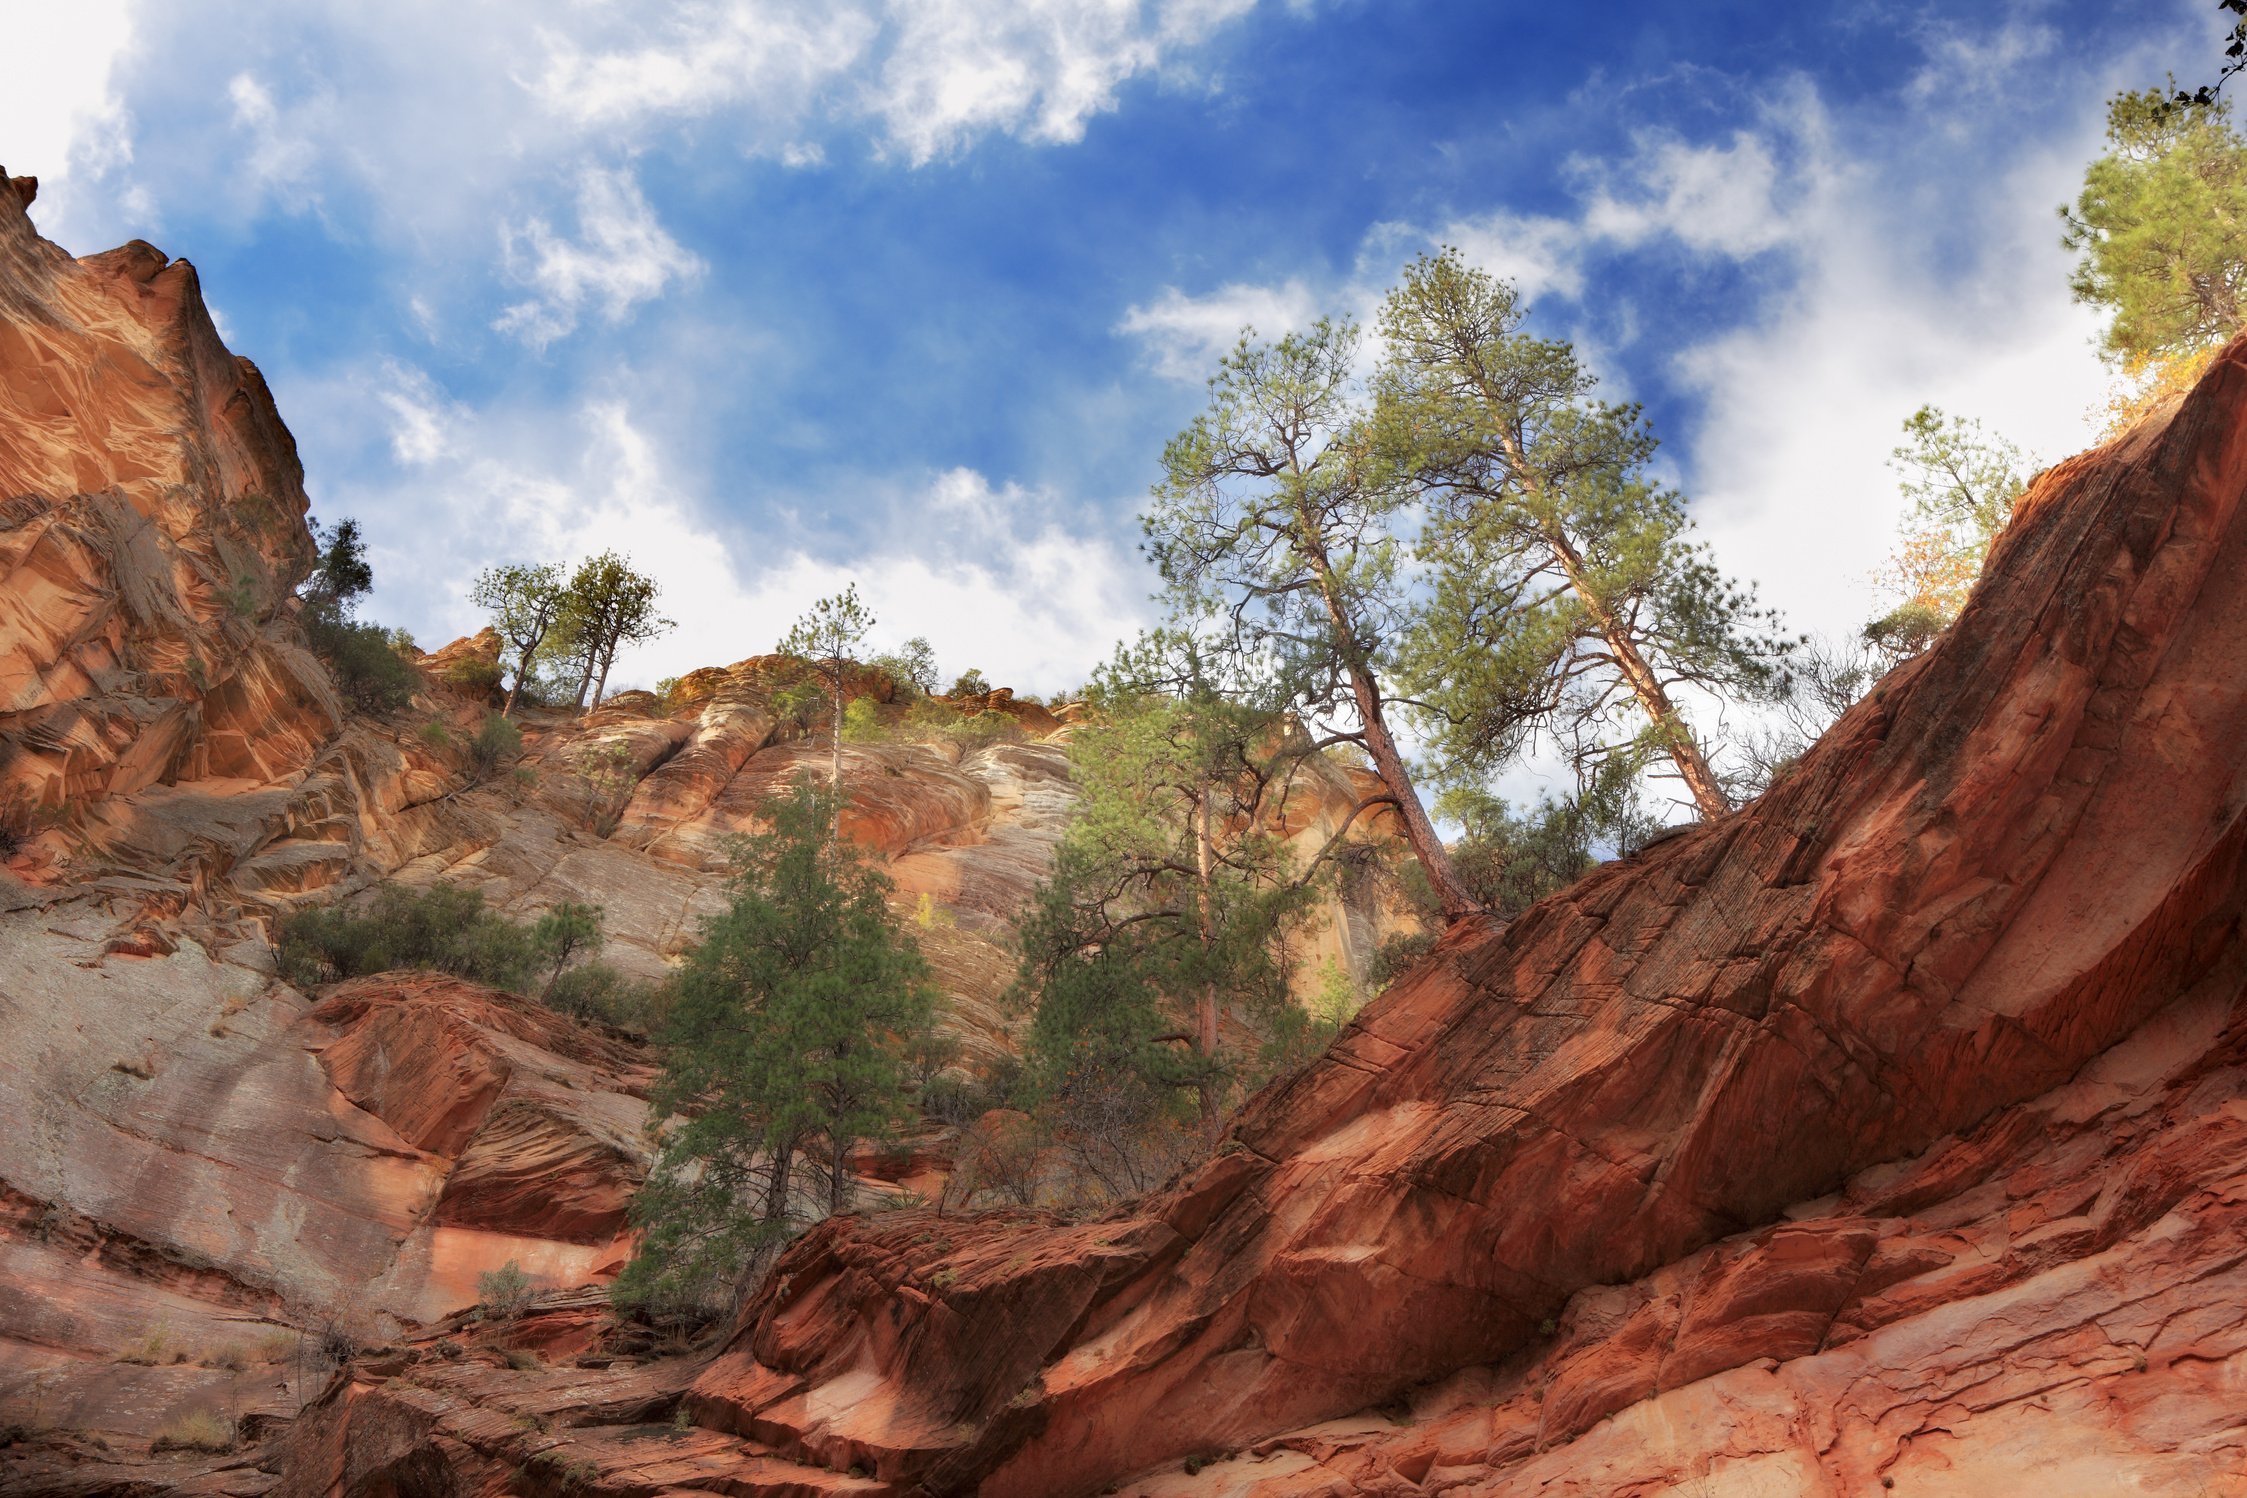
2019, 848
151, 528
189, 1146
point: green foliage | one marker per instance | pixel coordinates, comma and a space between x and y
2160, 229
565, 932
969, 683
1962, 483
372, 666
434, 735
1568, 601
787, 1029
505, 1291
443, 927
605, 607
364, 659
862, 721
525, 601
1512, 859
598, 992
341, 575
1277, 528
912, 666
496, 742
472, 673
1169, 902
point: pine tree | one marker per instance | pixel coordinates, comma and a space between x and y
1276, 531
1566, 591
826, 639
787, 1034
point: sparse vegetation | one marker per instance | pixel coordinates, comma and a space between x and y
444, 928
371, 665
233, 1357
506, 1291
199, 1430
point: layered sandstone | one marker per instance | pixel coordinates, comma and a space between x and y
1886, 1135
199, 1153
151, 531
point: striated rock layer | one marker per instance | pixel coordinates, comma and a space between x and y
2017, 850
151, 530
195, 1157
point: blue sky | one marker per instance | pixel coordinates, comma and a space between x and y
776, 295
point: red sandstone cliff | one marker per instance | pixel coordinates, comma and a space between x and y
1887, 1131
197, 1159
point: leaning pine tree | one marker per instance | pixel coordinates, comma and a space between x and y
1567, 595
1276, 528
786, 1038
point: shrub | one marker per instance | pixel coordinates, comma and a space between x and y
520, 1360
230, 1356
434, 735
152, 1349
862, 721
200, 1430
969, 683
275, 1346
365, 661
444, 928
597, 991
496, 742
505, 1291
473, 673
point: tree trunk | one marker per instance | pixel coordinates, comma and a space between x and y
838, 1176
1205, 861
1684, 752
835, 777
600, 689
1419, 833
776, 1191
1692, 765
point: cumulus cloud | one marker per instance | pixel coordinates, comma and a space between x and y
620, 257
1185, 335
1040, 69
61, 114
989, 572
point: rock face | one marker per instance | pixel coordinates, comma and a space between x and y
195, 1156
2021, 848
151, 528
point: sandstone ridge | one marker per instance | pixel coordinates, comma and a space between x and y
1885, 1132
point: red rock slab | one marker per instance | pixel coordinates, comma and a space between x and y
2019, 847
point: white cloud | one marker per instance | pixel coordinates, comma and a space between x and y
1039, 69
1719, 200
703, 57
61, 118
1186, 335
421, 418
621, 257
1537, 253
988, 572
282, 152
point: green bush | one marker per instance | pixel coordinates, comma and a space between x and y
505, 1291
862, 721
497, 741
444, 928
365, 661
597, 991
474, 673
